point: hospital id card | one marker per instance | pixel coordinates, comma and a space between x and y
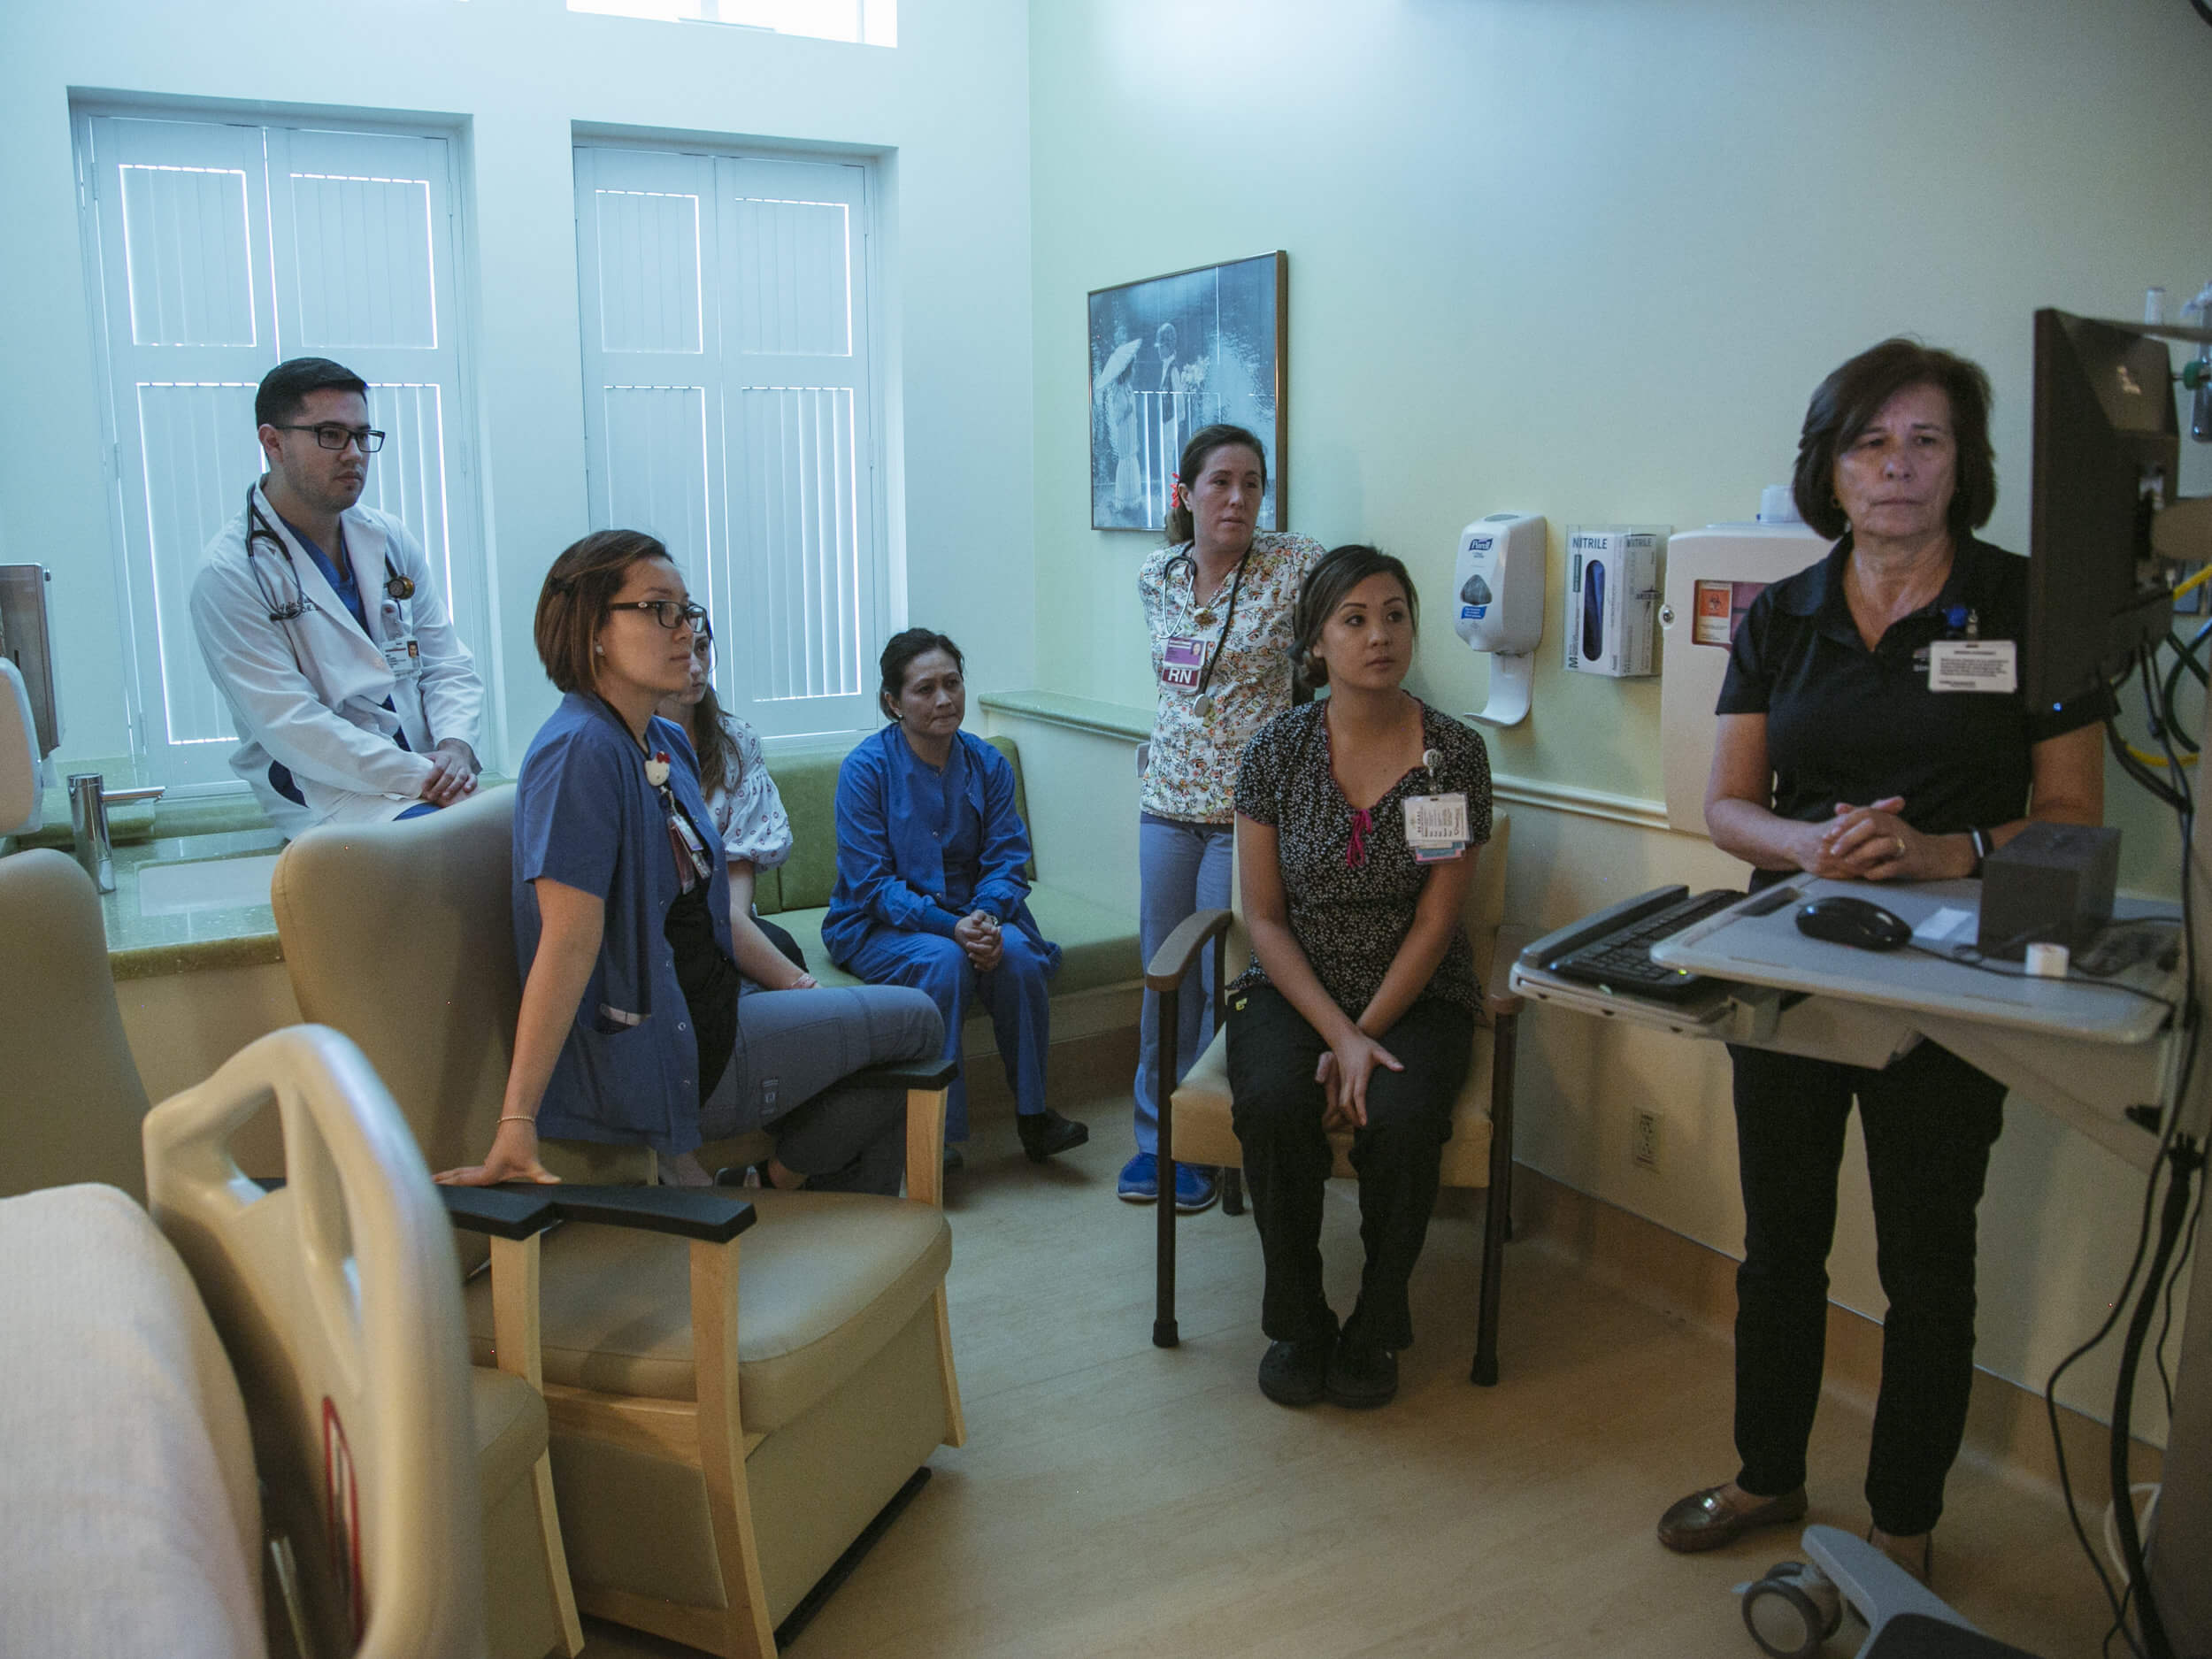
1182, 662
1436, 826
1974, 665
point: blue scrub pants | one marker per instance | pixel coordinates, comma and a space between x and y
1181, 868
1016, 992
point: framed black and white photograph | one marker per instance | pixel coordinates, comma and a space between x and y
1171, 354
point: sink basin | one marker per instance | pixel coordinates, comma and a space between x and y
211, 884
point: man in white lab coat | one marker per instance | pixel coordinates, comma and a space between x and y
322, 624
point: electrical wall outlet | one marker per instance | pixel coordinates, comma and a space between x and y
1643, 1138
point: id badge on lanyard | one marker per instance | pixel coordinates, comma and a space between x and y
1436, 825
1182, 662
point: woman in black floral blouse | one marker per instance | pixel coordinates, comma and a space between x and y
1358, 821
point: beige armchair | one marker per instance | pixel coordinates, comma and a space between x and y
1194, 1122
74, 1101
722, 1434
72, 1111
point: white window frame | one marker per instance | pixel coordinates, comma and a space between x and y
703, 538
146, 627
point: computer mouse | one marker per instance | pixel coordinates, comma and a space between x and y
1843, 920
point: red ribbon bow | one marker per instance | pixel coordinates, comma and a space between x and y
1355, 854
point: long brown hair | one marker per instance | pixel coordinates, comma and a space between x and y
721, 765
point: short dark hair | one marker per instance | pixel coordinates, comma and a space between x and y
1334, 574
899, 653
1203, 442
573, 601
1843, 405
285, 388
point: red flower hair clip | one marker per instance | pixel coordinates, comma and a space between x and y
1175, 494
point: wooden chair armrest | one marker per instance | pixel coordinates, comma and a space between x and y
906, 1074
1502, 1005
511, 1212
1171, 961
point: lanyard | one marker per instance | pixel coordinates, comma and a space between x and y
1236, 586
685, 843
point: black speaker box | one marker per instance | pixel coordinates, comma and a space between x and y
2052, 884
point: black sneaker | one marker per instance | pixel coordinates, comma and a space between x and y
1362, 1377
1295, 1373
1046, 1133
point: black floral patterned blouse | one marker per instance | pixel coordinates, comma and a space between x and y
1351, 905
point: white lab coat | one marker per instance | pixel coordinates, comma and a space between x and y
310, 693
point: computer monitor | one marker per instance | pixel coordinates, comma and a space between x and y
2106, 443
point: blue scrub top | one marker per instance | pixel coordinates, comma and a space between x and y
586, 816
919, 847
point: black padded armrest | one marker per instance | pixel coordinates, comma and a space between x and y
688, 1212
907, 1074
1178, 951
504, 1213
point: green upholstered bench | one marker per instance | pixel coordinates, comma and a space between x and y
1098, 946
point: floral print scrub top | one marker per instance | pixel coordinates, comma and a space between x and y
1193, 773
1351, 906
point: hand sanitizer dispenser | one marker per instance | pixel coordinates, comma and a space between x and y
1498, 593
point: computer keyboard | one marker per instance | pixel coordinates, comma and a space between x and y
1620, 959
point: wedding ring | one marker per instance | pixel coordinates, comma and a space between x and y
1900, 840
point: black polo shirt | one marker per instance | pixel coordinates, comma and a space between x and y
1848, 724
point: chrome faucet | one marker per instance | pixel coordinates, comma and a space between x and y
90, 798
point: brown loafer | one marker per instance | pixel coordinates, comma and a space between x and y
1707, 1520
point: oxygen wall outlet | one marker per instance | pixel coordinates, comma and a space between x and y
1643, 1138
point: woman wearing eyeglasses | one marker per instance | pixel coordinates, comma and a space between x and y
633, 1005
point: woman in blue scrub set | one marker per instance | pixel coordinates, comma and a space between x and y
932, 889
633, 1008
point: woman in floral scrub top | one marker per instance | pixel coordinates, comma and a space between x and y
1217, 602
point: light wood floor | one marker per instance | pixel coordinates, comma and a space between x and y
1115, 1498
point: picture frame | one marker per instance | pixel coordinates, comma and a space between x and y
1171, 354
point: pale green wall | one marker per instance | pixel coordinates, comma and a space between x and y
1589, 259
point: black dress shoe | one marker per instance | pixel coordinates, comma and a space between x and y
1046, 1133
1706, 1519
1295, 1373
1362, 1377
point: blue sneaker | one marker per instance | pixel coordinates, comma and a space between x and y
1197, 1188
1140, 1182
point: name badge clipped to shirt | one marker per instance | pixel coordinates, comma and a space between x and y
1436, 826
1974, 665
402, 658
1182, 662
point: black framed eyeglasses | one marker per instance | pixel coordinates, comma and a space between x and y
331, 435
670, 614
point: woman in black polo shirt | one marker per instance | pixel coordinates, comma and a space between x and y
1835, 757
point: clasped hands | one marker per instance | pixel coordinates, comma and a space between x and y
1872, 843
1344, 1072
452, 773
978, 933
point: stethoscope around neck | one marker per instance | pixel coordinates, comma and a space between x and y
398, 584
1236, 586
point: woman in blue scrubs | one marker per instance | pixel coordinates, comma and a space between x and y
633, 1008
931, 884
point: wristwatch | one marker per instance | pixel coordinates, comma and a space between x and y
1983, 848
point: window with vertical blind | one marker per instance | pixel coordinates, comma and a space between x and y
729, 410
219, 248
